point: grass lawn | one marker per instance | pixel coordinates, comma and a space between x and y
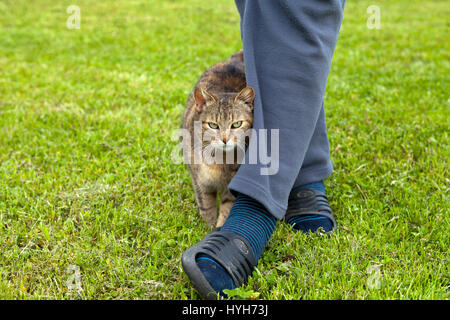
88, 186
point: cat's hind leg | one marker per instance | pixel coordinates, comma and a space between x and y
207, 205
226, 202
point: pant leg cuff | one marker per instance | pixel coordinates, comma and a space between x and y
249, 188
313, 174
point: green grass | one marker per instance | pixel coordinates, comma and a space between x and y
86, 177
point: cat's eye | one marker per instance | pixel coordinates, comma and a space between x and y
213, 125
237, 124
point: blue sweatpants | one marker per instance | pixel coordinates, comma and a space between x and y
288, 47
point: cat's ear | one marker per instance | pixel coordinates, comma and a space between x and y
247, 95
201, 97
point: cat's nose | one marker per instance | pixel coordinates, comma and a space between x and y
224, 139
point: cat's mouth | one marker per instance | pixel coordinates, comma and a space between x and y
226, 147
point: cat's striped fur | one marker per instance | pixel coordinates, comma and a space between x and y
220, 98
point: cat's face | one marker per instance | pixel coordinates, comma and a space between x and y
225, 117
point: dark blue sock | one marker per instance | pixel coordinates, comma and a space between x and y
249, 219
311, 223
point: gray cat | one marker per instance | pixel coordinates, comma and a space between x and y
222, 106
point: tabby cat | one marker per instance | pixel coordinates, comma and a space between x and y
222, 106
